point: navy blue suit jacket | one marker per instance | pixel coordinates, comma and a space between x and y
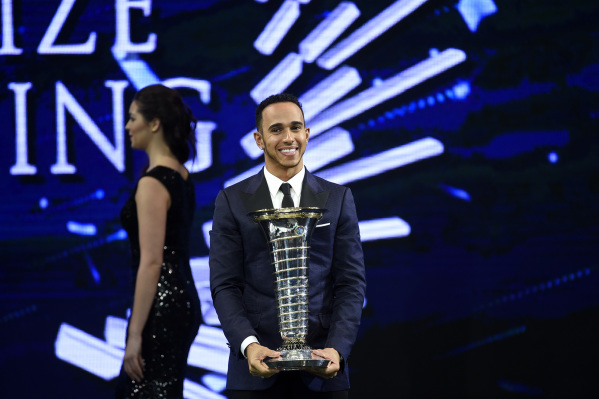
242, 283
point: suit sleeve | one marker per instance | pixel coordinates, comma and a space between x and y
349, 278
227, 274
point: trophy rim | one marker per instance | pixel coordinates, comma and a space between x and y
282, 213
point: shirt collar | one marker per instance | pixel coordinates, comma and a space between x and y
274, 182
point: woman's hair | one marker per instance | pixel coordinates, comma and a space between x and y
176, 118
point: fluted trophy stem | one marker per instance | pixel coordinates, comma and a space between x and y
288, 232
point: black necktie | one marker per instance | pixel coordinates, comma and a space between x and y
287, 200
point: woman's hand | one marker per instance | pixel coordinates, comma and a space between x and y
133, 362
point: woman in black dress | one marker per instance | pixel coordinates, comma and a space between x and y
166, 315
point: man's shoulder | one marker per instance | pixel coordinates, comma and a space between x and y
327, 184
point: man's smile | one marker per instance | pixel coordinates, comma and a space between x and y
288, 151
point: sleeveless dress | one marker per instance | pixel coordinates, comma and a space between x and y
175, 315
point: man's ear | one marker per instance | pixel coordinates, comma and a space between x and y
259, 141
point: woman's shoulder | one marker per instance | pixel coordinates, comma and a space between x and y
164, 172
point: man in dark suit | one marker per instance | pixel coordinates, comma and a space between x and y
241, 276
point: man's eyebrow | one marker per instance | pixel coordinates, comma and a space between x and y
275, 125
279, 124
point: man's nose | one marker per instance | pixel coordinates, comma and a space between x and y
288, 135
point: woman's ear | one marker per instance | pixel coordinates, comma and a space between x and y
155, 125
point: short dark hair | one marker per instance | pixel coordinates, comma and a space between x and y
176, 118
273, 99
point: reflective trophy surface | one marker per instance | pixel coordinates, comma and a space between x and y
288, 232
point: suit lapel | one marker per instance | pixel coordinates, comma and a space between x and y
313, 193
256, 196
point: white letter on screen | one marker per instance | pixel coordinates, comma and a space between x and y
21, 166
8, 38
122, 43
47, 45
65, 101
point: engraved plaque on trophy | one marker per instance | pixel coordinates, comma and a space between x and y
288, 232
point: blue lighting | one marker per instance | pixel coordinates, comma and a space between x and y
497, 337
19, 313
81, 228
458, 92
119, 235
455, 192
553, 157
43, 202
511, 144
93, 269
519, 388
474, 11
215, 382
546, 285
461, 90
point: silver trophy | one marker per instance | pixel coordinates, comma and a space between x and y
288, 232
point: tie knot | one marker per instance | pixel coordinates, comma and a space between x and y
285, 188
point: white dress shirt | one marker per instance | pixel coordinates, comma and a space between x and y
276, 195
274, 183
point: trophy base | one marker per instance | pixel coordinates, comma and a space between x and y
297, 359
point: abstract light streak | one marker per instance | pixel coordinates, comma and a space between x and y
368, 32
193, 390
87, 352
379, 229
138, 72
384, 161
328, 30
474, 11
389, 88
209, 350
279, 78
277, 27
84, 229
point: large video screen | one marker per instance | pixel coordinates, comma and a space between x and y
466, 130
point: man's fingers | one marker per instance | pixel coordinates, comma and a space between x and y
259, 368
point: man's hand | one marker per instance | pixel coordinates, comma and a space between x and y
334, 359
256, 354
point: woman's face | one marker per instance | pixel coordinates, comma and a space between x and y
140, 131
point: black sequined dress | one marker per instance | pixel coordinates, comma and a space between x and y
175, 315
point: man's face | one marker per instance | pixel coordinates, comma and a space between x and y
283, 139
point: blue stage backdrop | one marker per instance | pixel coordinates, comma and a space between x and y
466, 129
